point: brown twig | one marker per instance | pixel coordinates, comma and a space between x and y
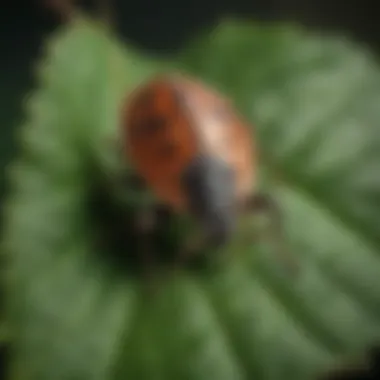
66, 8
63, 8
105, 13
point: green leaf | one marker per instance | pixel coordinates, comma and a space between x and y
77, 309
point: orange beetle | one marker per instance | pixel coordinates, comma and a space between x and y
193, 150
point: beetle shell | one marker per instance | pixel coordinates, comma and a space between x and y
171, 120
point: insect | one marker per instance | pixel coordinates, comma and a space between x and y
196, 154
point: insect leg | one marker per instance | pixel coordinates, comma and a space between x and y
264, 203
145, 225
147, 221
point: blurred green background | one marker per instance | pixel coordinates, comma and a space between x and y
159, 28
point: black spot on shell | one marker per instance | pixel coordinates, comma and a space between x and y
149, 126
